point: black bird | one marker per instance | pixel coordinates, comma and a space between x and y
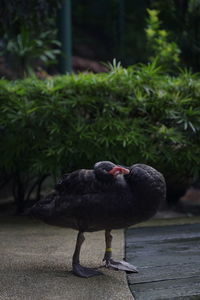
107, 197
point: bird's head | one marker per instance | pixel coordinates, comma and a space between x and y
140, 173
106, 170
147, 180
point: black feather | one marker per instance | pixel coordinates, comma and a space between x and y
90, 200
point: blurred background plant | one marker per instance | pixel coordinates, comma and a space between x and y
25, 53
182, 20
131, 31
120, 27
29, 35
167, 53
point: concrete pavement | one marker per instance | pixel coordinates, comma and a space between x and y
35, 263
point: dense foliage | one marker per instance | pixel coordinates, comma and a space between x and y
129, 115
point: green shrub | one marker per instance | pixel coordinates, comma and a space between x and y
127, 116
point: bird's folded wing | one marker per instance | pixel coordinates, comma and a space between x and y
78, 182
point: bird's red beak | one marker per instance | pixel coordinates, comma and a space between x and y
119, 170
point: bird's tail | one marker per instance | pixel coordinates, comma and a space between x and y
43, 208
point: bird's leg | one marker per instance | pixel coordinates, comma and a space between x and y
77, 268
110, 262
108, 251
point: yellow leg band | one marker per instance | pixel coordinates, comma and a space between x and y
108, 249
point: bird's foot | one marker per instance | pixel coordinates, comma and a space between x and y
81, 271
120, 265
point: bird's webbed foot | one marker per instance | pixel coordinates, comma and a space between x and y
120, 265
110, 262
81, 271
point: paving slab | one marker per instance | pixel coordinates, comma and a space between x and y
168, 259
35, 263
